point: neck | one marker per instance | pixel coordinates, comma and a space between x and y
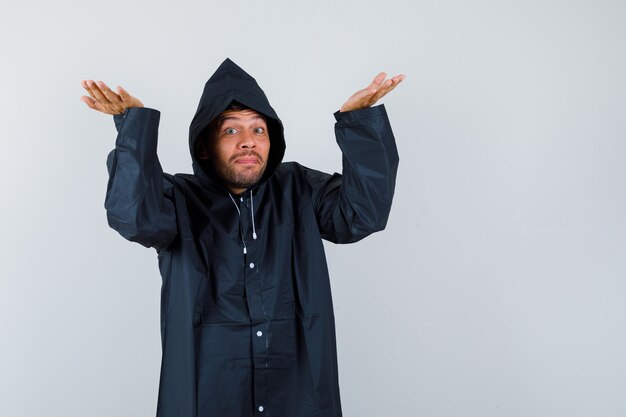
237, 191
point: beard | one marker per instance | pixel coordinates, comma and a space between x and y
243, 177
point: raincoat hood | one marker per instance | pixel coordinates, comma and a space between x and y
230, 83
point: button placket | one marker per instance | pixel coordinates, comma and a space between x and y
259, 331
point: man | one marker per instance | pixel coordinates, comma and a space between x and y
247, 320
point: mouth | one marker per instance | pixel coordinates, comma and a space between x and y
247, 159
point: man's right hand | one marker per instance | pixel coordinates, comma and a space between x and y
103, 99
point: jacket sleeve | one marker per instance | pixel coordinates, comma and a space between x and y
350, 206
139, 196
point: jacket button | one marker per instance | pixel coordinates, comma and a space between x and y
251, 265
261, 408
259, 333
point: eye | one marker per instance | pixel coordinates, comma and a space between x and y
230, 131
259, 130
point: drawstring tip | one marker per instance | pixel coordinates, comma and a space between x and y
244, 250
254, 236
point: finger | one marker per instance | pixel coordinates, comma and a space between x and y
376, 82
124, 95
102, 102
91, 103
393, 80
85, 84
398, 79
114, 102
129, 101
88, 101
389, 85
97, 92
110, 95
384, 89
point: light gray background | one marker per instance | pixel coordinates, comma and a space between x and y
497, 288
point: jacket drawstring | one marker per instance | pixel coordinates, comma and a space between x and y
254, 236
245, 250
252, 215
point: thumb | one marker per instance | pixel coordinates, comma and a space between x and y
123, 93
129, 101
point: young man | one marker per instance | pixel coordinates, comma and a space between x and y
247, 321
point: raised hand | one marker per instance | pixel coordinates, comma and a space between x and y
105, 100
368, 96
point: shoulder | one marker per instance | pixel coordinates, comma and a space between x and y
300, 177
289, 168
290, 171
182, 181
181, 178
295, 168
288, 175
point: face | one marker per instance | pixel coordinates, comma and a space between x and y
240, 149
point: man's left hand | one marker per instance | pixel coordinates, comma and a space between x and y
368, 96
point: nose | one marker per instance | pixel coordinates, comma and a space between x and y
247, 140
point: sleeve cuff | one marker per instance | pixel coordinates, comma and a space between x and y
356, 115
136, 112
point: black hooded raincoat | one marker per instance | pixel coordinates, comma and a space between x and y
247, 321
